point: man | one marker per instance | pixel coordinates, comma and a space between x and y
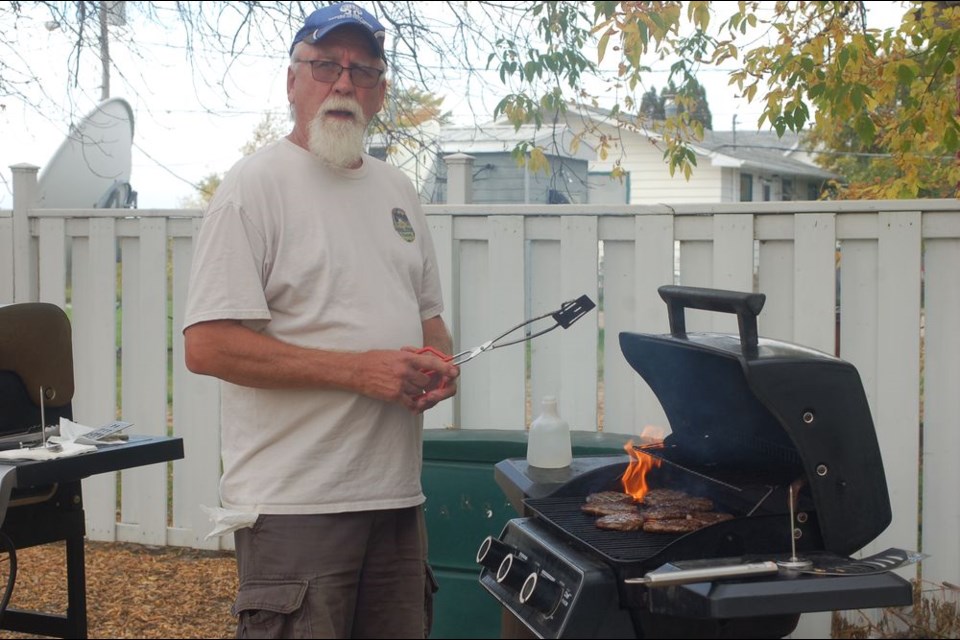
314, 287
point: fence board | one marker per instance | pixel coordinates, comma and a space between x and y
941, 406
655, 266
544, 260
95, 358
579, 251
898, 369
144, 373
507, 399
53, 261
775, 280
814, 281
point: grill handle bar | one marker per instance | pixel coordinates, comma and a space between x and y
668, 578
745, 305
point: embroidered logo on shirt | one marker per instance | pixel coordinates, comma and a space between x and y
402, 224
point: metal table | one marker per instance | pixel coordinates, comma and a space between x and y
41, 502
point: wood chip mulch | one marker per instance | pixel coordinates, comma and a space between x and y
133, 591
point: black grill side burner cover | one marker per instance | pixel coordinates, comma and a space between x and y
742, 404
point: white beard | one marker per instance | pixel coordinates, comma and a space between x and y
338, 143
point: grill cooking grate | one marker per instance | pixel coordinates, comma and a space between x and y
618, 546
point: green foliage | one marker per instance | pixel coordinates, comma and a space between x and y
805, 63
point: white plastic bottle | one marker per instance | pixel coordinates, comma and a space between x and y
548, 443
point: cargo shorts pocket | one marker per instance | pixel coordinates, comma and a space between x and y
271, 609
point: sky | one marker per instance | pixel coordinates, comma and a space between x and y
190, 122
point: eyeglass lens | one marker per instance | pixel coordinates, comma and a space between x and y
327, 71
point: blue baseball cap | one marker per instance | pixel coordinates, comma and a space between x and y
324, 20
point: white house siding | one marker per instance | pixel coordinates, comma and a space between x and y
650, 180
729, 185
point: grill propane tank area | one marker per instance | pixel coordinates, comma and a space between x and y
774, 439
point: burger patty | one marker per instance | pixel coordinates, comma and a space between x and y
656, 497
689, 504
672, 498
624, 521
610, 496
690, 522
675, 525
607, 508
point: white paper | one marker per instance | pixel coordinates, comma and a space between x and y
228, 520
39, 452
73, 432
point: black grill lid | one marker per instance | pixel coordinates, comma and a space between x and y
789, 412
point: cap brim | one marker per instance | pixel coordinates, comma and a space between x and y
375, 40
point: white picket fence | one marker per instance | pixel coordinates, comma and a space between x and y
899, 310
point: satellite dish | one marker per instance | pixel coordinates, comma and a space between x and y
92, 166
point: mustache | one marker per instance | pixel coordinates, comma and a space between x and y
339, 103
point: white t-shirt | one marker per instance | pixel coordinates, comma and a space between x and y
330, 259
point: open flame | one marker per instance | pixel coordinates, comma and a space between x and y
634, 479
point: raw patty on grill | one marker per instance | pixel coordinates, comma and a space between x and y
673, 498
625, 521
691, 522
610, 496
658, 496
690, 503
675, 525
607, 508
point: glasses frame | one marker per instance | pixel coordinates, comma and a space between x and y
316, 67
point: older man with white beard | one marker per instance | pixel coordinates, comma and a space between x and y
314, 286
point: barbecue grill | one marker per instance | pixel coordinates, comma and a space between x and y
776, 434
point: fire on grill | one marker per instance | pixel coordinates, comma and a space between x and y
770, 474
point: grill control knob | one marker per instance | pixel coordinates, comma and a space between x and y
513, 571
492, 552
541, 593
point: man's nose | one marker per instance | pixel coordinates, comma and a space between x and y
344, 84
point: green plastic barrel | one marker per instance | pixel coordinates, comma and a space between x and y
465, 505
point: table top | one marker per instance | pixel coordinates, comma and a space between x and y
135, 452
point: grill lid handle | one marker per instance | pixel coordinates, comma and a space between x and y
746, 305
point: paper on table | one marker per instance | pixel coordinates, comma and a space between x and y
74, 432
40, 452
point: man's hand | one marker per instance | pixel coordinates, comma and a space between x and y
406, 377
441, 385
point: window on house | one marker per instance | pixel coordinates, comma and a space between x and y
787, 187
746, 187
766, 192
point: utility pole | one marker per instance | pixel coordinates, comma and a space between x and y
104, 52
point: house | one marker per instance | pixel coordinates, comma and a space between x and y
732, 166
497, 176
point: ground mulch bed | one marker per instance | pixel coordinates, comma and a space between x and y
133, 591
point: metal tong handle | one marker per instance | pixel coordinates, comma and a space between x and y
568, 313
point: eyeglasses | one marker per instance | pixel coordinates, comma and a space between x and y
327, 71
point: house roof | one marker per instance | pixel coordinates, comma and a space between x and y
503, 138
760, 151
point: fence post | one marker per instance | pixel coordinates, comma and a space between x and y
25, 288
459, 178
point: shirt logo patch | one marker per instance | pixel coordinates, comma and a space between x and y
402, 224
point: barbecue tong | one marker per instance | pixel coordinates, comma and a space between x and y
568, 313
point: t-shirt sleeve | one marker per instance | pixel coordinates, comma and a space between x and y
226, 277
